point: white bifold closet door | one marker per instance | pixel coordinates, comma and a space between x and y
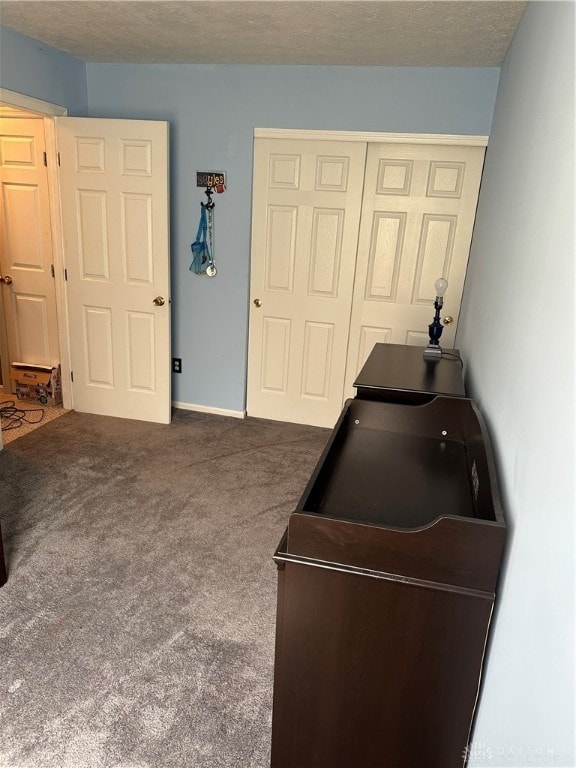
306, 214
418, 213
348, 239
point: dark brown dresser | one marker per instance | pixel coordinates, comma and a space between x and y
387, 575
398, 373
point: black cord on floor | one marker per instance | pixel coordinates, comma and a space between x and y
13, 417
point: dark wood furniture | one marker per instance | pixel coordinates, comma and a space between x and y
386, 582
399, 373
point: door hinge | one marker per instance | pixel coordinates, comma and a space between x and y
52, 270
45, 159
59, 163
72, 376
65, 274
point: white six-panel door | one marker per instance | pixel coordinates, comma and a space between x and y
306, 210
114, 196
26, 244
418, 212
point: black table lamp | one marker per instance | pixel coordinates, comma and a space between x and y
434, 351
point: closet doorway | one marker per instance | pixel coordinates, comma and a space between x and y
349, 234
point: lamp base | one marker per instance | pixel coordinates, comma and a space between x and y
432, 352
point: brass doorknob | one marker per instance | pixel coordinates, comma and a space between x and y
159, 301
447, 320
7, 280
257, 303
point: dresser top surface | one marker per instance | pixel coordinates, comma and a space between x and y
403, 368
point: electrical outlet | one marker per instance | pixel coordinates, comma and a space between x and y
177, 365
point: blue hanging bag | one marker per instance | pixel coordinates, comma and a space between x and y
200, 252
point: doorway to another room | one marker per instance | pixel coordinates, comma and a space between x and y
28, 304
84, 268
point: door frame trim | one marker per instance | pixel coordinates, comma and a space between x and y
50, 111
371, 137
30, 104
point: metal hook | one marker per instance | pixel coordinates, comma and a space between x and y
210, 204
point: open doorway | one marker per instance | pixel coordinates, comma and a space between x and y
28, 307
112, 279
32, 311
40, 332
29, 318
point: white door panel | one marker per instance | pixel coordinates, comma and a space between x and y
26, 244
418, 213
114, 188
306, 212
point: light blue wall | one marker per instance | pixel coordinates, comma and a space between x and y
517, 335
37, 70
213, 111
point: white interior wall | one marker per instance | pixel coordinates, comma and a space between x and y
517, 336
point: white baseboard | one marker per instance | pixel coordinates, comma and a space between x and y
210, 409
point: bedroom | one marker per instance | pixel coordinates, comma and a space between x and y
516, 327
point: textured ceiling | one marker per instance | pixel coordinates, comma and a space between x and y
346, 32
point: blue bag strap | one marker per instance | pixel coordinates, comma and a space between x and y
202, 226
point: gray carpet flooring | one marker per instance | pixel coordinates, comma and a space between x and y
137, 624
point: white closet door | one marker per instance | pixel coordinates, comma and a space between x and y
306, 211
418, 212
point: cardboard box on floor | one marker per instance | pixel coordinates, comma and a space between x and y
40, 383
